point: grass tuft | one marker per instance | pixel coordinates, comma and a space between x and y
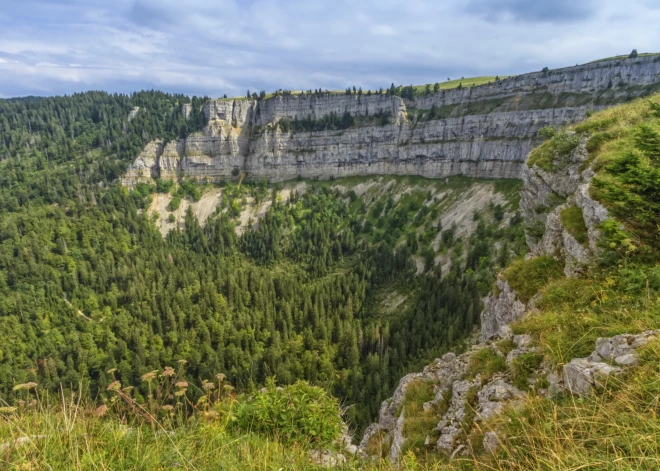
573, 221
527, 277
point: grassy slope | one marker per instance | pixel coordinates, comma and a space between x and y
617, 428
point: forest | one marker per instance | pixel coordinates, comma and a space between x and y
90, 290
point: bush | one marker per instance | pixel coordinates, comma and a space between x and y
298, 413
547, 132
535, 230
144, 189
175, 203
597, 140
164, 186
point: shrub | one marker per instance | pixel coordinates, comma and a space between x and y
597, 140
175, 203
164, 186
144, 189
298, 413
547, 132
535, 230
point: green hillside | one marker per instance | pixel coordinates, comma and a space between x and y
124, 349
89, 285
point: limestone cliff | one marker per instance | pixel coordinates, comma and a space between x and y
483, 131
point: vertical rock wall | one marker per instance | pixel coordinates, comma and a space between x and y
483, 131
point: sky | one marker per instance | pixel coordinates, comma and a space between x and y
216, 47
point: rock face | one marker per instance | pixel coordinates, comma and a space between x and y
499, 311
546, 195
484, 131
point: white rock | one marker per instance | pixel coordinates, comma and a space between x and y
491, 442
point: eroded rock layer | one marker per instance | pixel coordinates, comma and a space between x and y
483, 131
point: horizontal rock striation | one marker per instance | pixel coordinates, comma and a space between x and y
483, 131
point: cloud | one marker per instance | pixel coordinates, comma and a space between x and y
227, 46
382, 30
533, 10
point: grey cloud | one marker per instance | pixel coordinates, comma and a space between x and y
226, 46
533, 10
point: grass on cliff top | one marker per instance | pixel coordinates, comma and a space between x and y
418, 89
74, 438
624, 56
528, 277
464, 82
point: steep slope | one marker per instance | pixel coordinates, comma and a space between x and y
482, 131
577, 317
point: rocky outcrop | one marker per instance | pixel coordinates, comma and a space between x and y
546, 195
582, 375
499, 311
461, 401
483, 131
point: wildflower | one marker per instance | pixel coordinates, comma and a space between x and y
181, 384
149, 376
114, 386
25, 386
168, 371
111, 370
182, 362
168, 408
101, 410
208, 386
220, 377
180, 392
